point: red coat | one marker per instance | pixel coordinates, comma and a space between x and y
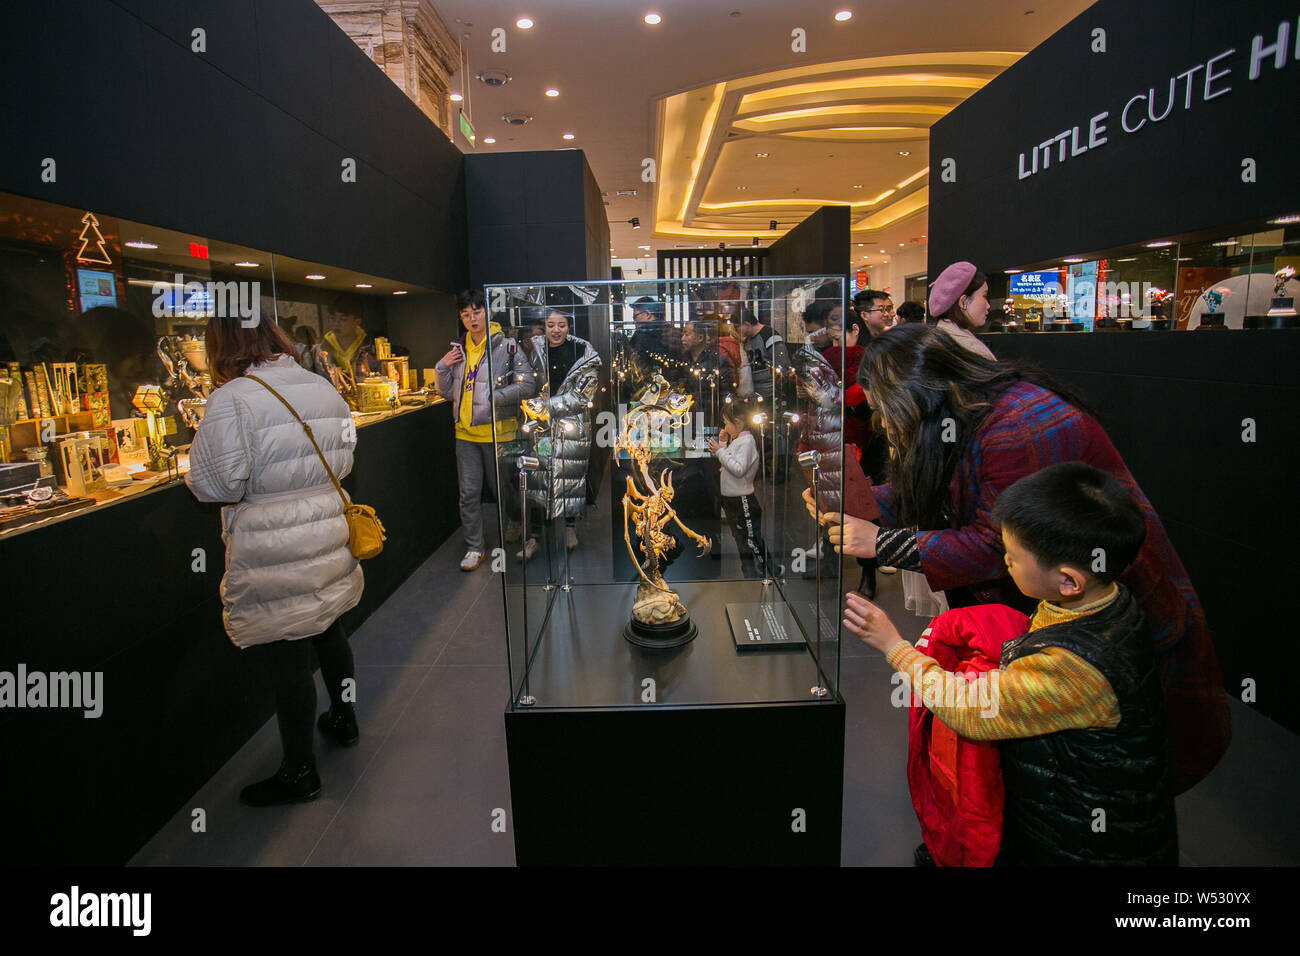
956, 783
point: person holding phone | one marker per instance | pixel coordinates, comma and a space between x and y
485, 375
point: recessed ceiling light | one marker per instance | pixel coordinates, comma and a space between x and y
455, 97
882, 251
315, 275
140, 244
524, 23
1225, 242
843, 15
399, 292
568, 136
1285, 220
364, 285
742, 187
1159, 244
861, 244
761, 155
1130, 259
489, 140
904, 152
643, 247
652, 19
859, 186
1072, 259
552, 92
247, 264
1013, 272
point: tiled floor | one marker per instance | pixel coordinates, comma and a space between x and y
423, 785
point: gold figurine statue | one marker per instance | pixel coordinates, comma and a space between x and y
662, 616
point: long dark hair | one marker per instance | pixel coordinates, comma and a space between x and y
918, 378
232, 348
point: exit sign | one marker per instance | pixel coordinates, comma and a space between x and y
466, 129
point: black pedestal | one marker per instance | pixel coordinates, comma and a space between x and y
658, 637
748, 785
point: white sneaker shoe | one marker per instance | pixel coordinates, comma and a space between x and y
529, 550
471, 561
570, 537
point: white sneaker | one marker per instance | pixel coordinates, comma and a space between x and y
529, 550
471, 561
570, 537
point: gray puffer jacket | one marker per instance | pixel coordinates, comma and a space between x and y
289, 573
821, 422
564, 445
512, 380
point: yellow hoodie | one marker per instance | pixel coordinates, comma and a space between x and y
475, 355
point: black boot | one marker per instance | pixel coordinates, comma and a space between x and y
289, 785
339, 724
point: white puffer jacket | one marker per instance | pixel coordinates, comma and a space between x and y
289, 573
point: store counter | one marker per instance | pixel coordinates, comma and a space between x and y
127, 596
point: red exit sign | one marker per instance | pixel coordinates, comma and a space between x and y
198, 250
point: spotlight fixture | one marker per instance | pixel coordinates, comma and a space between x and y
568, 136
489, 140
141, 244
524, 23
843, 15
455, 97
552, 92
652, 18
635, 222
772, 225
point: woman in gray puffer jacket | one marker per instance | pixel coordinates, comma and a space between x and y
560, 425
289, 573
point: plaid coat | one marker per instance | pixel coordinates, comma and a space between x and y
1028, 429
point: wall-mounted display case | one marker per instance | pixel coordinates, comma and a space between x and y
103, 368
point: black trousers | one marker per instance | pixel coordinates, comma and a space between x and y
746, 520
288, 665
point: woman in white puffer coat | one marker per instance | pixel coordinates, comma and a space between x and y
289, 573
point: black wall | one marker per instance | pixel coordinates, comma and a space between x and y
1175, 176
1174, 403
535, 217
817, 246
242, 143
115, 591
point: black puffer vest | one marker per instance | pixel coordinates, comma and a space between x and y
1056, 782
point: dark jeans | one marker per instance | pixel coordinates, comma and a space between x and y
288, 664
746, 520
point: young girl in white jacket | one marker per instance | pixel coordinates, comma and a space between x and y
289, 572
737, 453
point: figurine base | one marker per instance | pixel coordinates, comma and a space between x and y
661, 636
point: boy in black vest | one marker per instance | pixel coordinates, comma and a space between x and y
1077, 702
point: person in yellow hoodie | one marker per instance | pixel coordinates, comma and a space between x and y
485, 375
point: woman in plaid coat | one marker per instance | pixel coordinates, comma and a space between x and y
962, 428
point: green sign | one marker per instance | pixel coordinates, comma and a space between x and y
466, 129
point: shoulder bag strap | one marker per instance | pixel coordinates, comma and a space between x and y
310, 437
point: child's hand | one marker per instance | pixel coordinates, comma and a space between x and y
869, 622
710, 444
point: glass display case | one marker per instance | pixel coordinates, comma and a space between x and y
653, 445
103, 369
